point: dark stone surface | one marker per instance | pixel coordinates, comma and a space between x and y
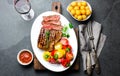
15, 35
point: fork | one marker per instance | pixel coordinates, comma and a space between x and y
91, 38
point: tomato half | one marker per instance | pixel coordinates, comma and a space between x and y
65, 62
64, 41
69, 56
53, 52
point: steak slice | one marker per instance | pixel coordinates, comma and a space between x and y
52, 27
51, 17
47, 43
51, 22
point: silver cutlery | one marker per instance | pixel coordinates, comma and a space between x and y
86, 48
88, 58
88, 64
91, 38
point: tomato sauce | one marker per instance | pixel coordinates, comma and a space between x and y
25, 57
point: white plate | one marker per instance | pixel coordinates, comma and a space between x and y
39, 53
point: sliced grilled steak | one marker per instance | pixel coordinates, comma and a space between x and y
53, 27
51, 17
44, 23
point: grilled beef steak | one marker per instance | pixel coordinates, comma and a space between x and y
50, 33
47, 41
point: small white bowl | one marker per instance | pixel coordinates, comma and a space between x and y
19, 58
88, 6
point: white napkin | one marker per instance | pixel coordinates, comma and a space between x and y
97, 37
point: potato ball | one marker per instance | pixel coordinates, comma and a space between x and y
76, 7
74, 4
84, 3
82, 7
87, 8
76, 16
79, 17
70, 8
83, 12
88, 12
78, 12
72, 11
84, 17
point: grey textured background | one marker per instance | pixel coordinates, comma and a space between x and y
15, 35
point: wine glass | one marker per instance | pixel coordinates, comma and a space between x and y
24, 8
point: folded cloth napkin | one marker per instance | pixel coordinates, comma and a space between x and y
99, 40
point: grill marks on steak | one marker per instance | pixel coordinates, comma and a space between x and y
48, 44
55, 35
53, 25
42, 39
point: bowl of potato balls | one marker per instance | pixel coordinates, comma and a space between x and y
80, 10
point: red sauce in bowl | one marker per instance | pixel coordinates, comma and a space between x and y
25, 57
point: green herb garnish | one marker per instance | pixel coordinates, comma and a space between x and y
71, 25
47, 34
56, 56
46, 56
65, 35
65, 28
68, 64
68, 35
67, 49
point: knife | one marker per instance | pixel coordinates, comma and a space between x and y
88, 64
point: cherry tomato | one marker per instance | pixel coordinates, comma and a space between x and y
53, 52
68, 48
64, 46
52, 60
65, 62
69, 56
60, 60
64, 41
